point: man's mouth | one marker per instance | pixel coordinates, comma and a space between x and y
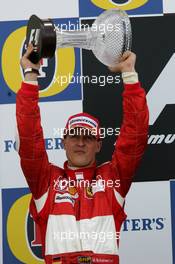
79, 151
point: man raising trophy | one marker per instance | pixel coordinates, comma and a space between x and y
80, 208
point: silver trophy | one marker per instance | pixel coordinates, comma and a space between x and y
109, 37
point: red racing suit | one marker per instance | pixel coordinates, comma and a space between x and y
80, 224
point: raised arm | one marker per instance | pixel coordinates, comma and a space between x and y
34, 160
132, 140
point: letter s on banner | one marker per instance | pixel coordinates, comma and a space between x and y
12, 72
17, 236
129, 5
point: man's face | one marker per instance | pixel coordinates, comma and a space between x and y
81, 147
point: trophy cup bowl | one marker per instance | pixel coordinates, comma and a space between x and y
109, 37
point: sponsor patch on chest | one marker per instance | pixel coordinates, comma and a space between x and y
65, 198
97, 186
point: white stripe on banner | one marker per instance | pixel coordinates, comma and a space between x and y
146, 236
168, 6
43, 9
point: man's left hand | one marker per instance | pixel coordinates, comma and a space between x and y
126, 63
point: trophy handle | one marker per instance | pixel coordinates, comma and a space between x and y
41, 33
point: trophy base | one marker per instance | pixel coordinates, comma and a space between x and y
42, 35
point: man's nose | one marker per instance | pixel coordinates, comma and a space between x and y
81, 140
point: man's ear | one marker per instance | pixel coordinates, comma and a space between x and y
99, 145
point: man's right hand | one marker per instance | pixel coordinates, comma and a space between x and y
26, 63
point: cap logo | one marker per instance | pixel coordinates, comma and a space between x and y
82, 120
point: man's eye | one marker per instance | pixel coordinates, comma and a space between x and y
90, 137
73, 136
